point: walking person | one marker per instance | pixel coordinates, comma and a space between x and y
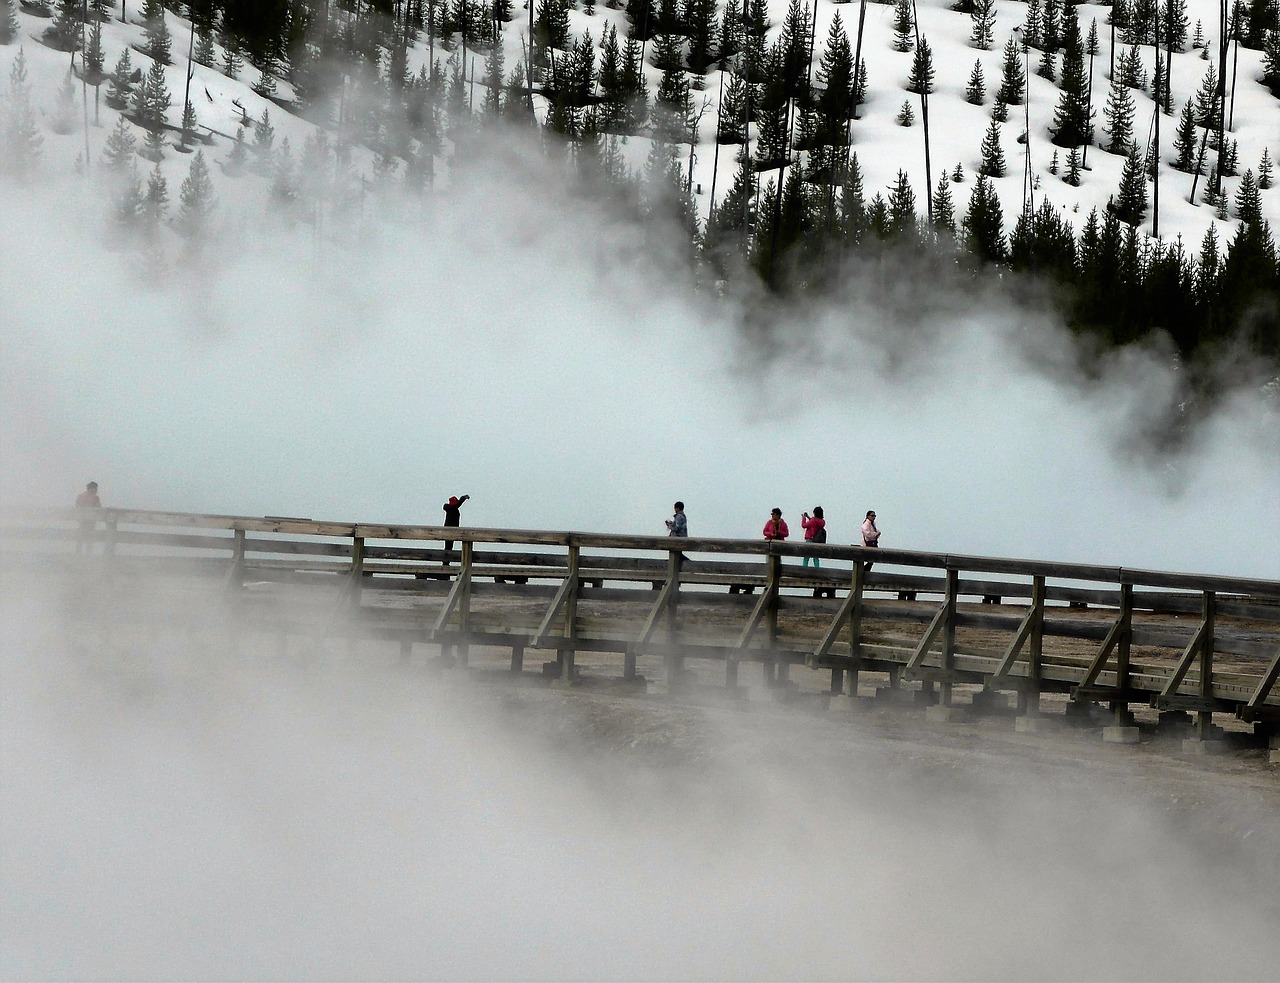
776, 527
452, 517
87, 499
870, 537
815, 533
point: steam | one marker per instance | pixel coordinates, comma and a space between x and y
179, 805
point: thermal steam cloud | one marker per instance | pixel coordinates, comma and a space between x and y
510, 338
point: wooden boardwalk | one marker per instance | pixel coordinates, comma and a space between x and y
923, 623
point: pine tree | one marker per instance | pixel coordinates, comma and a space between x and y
205, 53
1264, 170
1031, 26
1208, 106
944, 209
153, 145
64, 33
1249, 200
120, 88
1130, 71
922, 73
1045, 68
159, 43
127, 204
993, 164
1072, 176
1000, 111
901, 206
196, 201
551, 28
1119, 119
1185, 139
983, 224
21, 145
835, 75
1174, 24
155, 203
266, 85
1130, 204
1013, 79
957, 175
151, 100
64, 112
671, 106
906, 115
8, 22
120, 147
232, 62
700, 25
1072, 125
982, 35
94, 56
975, 92
903, 26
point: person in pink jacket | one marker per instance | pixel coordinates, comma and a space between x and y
870, 536
815, 532
776, 527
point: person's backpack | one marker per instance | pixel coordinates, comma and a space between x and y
820, 534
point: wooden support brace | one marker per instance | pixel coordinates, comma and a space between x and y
842, 615
1184, 664
669, 592
917, 657
1015, 647
461, 589
758, 613
1265, 684
568, 586
1119, 632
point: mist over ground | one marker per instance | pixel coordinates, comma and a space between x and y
179, 805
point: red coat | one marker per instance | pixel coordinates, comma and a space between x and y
776, 530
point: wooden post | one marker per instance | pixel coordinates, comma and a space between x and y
948, 660
517, 658
568, 649
1036, 644
1204, 718
773, 671
464, 603
1120, 706
675, 660
855, 629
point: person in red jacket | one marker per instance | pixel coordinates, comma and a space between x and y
815, 532
776, 527
452, 517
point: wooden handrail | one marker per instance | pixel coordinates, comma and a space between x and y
1012, 566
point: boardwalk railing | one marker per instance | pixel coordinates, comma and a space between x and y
1104, 635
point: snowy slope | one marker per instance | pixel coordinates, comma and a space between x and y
883, 147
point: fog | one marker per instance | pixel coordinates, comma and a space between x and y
512, 340
178, 806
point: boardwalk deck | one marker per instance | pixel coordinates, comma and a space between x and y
1103, 635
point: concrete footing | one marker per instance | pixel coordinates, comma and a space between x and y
1120, 734
1274, 742
1273, 756
840, 703
896, 696
990, 701
939, 714
1036, 723
1195, 746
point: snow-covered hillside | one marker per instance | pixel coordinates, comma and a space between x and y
883, 145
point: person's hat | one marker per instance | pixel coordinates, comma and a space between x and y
92, 484
453, 499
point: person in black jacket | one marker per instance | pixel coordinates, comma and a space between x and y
452, 517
